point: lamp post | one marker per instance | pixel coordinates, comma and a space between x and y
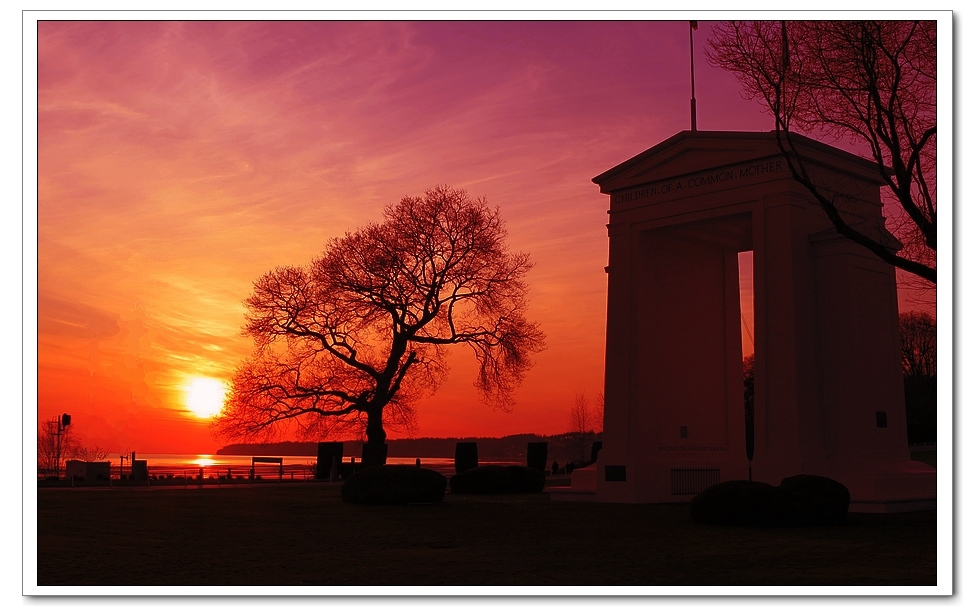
693, 99
62, 423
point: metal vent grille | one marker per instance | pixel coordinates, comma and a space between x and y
693, 480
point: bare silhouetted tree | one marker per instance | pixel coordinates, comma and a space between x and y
56, 443
585, 420
90, 453
869, 82
351, 341
919, 359
919, 345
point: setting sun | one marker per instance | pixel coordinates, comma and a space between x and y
205, 396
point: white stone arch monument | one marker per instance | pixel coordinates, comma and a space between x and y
828, 388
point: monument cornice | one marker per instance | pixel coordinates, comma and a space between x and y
717, 149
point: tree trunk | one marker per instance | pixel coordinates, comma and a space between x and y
374, 449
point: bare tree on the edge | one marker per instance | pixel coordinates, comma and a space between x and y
919, 359
585, 421
348, 343
872, 82
55, 444
919, 345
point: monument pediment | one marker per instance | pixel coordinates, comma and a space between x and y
695, 151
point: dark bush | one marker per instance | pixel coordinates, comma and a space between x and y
523, 479
394, 485
811, 500
498, 479
738, 503
802, 500
490, 479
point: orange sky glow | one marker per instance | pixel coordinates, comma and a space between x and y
179, 161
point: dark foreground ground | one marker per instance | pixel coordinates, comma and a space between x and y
303, 534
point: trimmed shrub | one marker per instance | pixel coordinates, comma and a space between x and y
737, 503
398, 484
491, 479
498, 479
811, 500
801, 500
523, 479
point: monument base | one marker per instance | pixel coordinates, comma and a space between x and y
906, 486
582, 488
875, 486
893, 506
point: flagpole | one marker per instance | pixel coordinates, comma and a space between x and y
693, 25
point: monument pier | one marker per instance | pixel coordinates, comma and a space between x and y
829, 396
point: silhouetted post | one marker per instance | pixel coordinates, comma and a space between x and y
594, 452
465, 456
418, 461
328, 452
140, 470
537, 455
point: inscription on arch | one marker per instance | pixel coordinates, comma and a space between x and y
690, 182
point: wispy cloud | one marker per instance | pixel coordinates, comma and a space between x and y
180, 160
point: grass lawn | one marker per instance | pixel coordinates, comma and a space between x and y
303, 534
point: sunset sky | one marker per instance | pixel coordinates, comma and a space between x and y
179, 161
